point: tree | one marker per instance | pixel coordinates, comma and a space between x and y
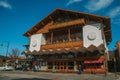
14, 53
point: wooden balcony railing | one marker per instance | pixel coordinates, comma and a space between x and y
50, 25
62, 45
69, 23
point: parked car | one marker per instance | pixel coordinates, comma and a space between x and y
6, 67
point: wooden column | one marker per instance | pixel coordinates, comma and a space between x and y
51, 37
69, 39
66, 66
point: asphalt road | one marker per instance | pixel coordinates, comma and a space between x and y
20, 75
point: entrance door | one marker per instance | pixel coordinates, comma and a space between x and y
64, 65
60, 66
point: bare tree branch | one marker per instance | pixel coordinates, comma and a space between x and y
14, 53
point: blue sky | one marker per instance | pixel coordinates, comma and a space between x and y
18, 16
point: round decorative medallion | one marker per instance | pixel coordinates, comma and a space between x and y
34, 43
91, 36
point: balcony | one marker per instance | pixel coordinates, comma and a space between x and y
62, 45
69, 23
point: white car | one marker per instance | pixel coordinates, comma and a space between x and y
6, 67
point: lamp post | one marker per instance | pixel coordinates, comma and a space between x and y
105, 50
105, 62
115, 67
7, 47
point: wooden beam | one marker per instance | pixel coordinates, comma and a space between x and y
28, 34
69, 39
50, 18
87, 20
42, 23
67, 24
35, 28
51, 37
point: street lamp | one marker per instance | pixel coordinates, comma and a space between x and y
105, 50
105, 62
7, 47
115, 66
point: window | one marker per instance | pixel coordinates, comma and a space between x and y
71, 65
49, 65
64, 65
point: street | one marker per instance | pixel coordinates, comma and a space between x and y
20, 75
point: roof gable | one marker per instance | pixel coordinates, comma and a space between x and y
60, 14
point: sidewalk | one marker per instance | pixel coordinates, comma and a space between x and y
73, 76
58, 76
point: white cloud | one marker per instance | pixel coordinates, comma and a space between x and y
5, 4
114, 12
95, 5
72, 1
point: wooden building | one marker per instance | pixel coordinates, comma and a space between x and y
117, 56
1, 61
60, 40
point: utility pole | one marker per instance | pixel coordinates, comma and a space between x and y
105, 51
105, 62
115, 64
7, 48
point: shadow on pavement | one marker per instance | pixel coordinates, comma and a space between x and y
31, 79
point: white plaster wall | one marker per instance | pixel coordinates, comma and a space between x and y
87, 30
43, 40
35, 42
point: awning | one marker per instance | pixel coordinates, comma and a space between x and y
93, 61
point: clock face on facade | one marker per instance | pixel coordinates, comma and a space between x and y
34, 43
91, 36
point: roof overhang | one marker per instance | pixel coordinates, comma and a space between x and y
62, 12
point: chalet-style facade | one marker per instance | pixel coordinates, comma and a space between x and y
66, 39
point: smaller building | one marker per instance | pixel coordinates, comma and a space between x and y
111, 63
114, 59
23, 62
0, 60
117, 56
18, 61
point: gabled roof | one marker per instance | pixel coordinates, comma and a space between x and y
60, 12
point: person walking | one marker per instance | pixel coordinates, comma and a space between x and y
53, 69
79, 69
